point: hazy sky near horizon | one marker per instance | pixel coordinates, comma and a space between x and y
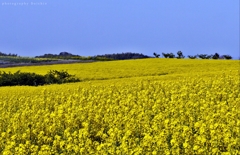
92, 27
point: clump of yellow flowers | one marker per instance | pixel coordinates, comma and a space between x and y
197, 115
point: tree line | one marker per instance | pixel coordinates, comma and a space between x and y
202, 56
4, 54
114, 56
123, 56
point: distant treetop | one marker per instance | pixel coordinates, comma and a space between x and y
4, 54
65, 54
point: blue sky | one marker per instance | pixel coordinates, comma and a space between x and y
91, 27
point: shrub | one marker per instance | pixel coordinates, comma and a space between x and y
55, 76
33, 79
29, 79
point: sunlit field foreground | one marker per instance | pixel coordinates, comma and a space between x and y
150, 106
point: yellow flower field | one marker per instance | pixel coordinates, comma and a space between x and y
140, 107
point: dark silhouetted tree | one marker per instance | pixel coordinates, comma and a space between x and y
215, 56
209, 56
156, 55
171, 55
180, 55
202, 56
168, 55
227, 57
192, 57
4, 54
165, 55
